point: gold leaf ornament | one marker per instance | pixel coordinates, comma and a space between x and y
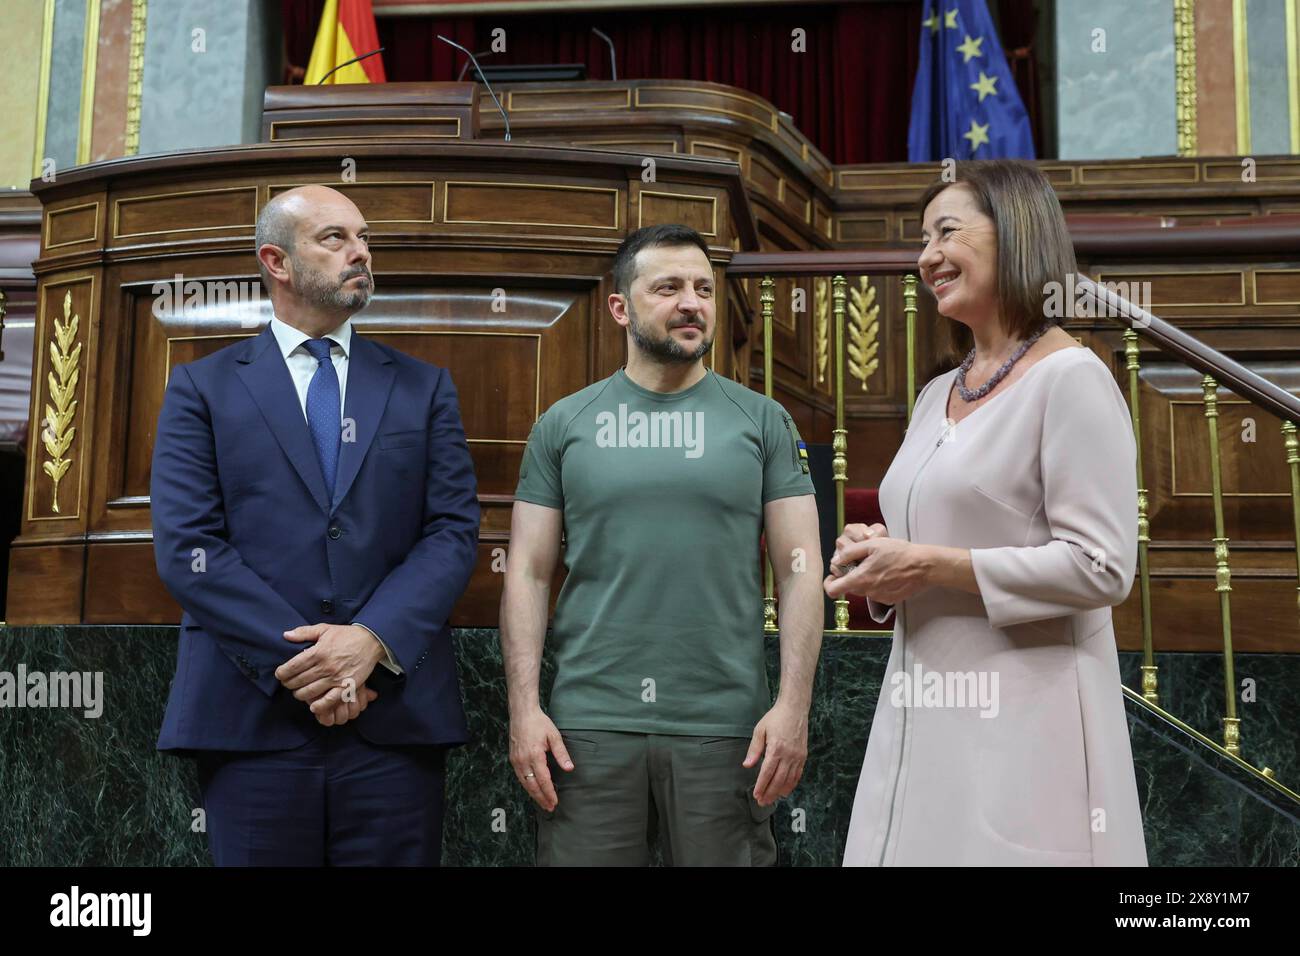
821, 326
61, 410
863, 331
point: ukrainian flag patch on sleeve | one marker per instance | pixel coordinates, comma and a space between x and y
797, 446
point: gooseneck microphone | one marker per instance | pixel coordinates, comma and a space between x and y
348, 63
461, 75
613, 63
504, 118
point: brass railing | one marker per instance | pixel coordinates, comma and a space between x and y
767, 267
1218, 370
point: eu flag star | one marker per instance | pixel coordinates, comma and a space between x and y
932, 23
950, 19
985, 86
978, 134
970, 49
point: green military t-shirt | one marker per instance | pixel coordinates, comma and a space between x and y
659, 625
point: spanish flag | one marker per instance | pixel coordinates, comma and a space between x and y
347, 29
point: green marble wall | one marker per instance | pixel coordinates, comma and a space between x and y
80, 791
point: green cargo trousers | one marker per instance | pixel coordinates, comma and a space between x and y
627, 789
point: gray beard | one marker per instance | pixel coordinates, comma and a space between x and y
318, 290
666, 350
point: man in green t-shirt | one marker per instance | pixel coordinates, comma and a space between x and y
661, 478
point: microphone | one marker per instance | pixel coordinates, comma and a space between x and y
349, 63
504, 118
461, 75
613, 64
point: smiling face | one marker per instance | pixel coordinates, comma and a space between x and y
670, 308
959, 260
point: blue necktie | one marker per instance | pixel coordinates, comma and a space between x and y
324, 414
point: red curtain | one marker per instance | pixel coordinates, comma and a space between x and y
849, 91
1018, 23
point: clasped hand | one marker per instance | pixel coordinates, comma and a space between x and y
870, 563
330, 677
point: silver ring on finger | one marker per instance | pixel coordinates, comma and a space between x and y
528, 775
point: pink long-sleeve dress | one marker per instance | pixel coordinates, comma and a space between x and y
1000, 737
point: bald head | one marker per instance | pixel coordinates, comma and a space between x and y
280, 219
313, 250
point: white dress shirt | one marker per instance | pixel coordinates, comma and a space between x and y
302, 364
302, 368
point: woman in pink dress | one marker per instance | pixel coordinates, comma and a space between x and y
1010, 510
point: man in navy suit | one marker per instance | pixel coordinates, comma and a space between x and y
315, 514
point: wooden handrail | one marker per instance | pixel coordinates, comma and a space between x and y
1166, 336
1254, 236
747, 265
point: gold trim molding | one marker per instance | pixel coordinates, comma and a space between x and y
49, 229
274, 189
1293, 75
771, 121
1185, 74
1173, 453
432, 122
127, 200
135, 76
571, 97
630, 142
446, 186
1105, 277
711, 200
1241, 75
43, 90
89, 58
61, 409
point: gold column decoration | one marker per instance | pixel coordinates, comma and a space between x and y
1150, 686
1185, 75
1222, 573
43, 90
821, 326
1293, 462
909, 315
1292, 74
766, 300
89, 59
864, 330
1241, 75
62, 382
135, 75
840, 443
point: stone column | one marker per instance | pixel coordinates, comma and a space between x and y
205, 69
1115, 79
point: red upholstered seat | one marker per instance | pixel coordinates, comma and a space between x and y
862, 506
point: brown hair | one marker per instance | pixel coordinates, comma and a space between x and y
1033, 243
647, 237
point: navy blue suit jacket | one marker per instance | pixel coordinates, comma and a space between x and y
248, 544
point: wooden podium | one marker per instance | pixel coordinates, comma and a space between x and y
490, 259
360, 111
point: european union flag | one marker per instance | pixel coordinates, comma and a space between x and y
965, 104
